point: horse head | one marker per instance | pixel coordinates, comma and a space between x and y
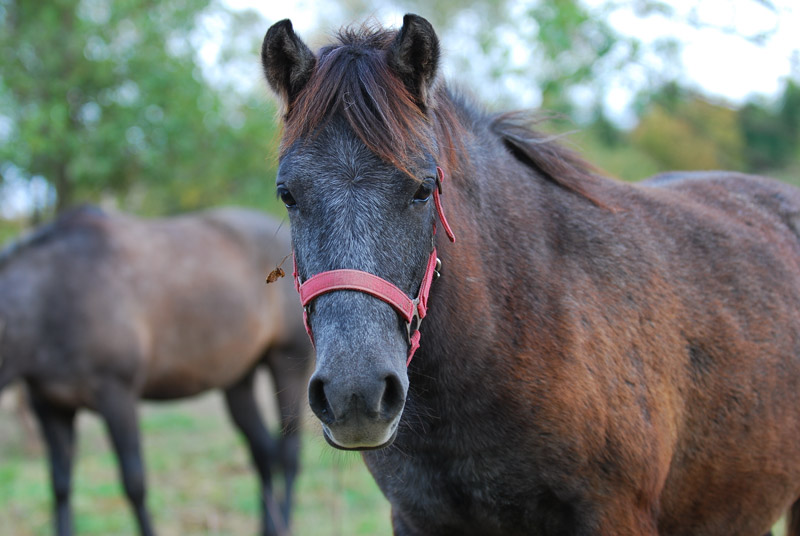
359, 176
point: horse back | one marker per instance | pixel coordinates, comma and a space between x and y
171, 306
736, 194
207, 314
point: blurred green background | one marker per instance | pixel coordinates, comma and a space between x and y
158, 107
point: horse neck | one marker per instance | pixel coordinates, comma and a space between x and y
463, 297
507, 219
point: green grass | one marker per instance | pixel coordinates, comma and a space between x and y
199, 480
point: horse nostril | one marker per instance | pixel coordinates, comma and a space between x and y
318, 401
393, 397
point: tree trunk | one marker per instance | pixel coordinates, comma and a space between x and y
63, 186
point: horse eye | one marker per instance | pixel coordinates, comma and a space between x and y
424, 191
286, 196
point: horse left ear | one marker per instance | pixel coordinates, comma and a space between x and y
288, 63
414, 56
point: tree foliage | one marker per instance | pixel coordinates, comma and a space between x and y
110, 99
772, 130
563, 56
106, 99
682, 130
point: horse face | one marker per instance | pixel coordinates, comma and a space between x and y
357, 175
348, 209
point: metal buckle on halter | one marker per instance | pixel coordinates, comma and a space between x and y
308, 309
416, 320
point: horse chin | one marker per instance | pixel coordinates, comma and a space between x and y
361, 444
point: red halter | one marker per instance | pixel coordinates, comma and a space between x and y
410, 310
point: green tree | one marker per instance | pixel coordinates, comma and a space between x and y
683, 130
106, 98
772, 130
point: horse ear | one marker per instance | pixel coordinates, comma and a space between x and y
287, 61
414, 56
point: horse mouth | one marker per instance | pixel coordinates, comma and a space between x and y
361, 445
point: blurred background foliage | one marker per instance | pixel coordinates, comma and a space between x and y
108, 102
157, 107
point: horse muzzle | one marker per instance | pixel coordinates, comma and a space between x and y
360, 413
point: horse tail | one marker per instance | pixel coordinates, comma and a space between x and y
793, 520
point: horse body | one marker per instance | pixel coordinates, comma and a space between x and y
100, 306
633, 403
597, 357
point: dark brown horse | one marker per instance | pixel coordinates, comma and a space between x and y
597, 357
99, 310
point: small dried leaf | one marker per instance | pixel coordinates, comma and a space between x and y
278, 272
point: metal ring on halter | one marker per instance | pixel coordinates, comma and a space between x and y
413, 324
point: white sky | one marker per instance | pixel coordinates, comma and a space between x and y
722, 63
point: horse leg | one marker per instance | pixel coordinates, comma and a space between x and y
246, 415
793, 520
26, 420
117, 404
58, 429
291, 384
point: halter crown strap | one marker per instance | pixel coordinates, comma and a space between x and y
357, 280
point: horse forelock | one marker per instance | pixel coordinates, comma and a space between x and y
353, 79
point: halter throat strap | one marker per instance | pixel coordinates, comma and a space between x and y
412, 311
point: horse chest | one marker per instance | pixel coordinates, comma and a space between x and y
443, 495
442, 492
468, 471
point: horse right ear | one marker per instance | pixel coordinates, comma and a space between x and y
288, 63
414, 56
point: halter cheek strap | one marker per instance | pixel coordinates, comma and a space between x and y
412, 311
437, 199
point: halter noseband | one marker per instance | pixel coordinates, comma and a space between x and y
410, 310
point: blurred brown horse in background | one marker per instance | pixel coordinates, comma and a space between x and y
597, 358
99, 310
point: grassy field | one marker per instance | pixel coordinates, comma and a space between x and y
199, 479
